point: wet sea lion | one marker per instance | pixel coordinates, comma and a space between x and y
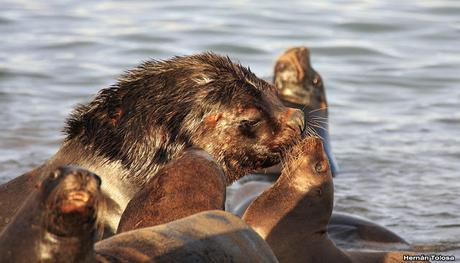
174, 192
293, 214
300, 86
211, 236
59, 222
155, 111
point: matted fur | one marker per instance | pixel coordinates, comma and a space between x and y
154, 111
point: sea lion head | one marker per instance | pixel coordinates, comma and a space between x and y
161, 107
72, 202
252, 130
296, 80
309, 177
300, 202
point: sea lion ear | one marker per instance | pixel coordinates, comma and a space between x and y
211, 120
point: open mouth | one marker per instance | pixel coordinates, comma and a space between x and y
76, 202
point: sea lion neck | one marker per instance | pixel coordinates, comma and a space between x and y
286, 208
67, 249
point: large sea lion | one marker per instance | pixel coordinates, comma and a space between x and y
59, 222
210, 236
300, 86
293, 214
155, 111
174, 192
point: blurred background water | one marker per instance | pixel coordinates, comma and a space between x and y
391, 70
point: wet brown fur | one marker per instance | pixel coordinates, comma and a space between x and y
175, 193
155, 111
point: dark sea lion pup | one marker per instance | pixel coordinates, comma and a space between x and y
59, 222
158, 109
174, 192
292, 215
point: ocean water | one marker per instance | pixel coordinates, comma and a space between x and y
391, 70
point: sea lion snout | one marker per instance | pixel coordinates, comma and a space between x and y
77, 202
75, 189
295, 119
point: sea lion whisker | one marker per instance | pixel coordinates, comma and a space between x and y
312, 131
318, 125
319, 121
315, 133
319, 118
319, 109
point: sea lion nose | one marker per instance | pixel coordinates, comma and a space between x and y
296, 119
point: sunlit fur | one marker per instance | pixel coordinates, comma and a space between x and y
159, 108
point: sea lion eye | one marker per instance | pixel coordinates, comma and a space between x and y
321, 167
249, 124
316, 80
55, 175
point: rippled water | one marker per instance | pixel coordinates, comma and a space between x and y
391, 69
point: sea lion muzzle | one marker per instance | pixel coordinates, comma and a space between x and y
295, 119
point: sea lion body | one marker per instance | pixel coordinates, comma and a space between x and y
292, 215
351, 231
211, 236
58, 222
132, 129
175, 192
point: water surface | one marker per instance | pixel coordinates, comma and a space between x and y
391, 69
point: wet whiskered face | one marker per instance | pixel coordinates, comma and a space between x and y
251, 133
308, 168
309, 178
73, 202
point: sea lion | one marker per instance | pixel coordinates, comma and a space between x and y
299, 85
174, 192
293, 214
59, 222
210, 236
155, 111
